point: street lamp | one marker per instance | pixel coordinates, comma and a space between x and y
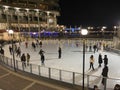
11, 33
84, 32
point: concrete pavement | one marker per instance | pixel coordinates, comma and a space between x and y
10, 80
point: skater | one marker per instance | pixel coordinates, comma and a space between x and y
42, 59
105, 60
10, 50
94, 48
23, 60
41, 52
40, 44
59, 52
28, 59
100, 60
90, 48
26, 44
18, 52
34, 46
91, 62
104, 74
2, 51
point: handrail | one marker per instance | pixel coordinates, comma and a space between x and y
50, 74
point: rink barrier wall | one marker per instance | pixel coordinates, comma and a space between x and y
113, 50
60, 75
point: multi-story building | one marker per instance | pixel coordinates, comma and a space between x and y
28, 15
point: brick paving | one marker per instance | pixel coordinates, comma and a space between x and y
10, 80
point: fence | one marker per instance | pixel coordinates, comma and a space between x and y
61, 75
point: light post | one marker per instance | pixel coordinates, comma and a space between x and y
11, 33
84, 32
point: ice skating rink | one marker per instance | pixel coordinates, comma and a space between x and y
72, 57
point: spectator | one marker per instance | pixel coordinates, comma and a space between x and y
41, 52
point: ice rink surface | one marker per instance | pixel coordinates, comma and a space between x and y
72, 57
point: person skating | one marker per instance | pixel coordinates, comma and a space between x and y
104, 74
28, 59
91, 62
40, 44
26, 44
105, 60
23, 60
42, 59
59, 52
41, 52
100, 60
2, 51
10, 50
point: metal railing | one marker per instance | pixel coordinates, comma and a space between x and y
61, 75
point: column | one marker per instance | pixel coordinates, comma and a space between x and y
18, 20
28, 21
6, 12
38, 24
48, 15
55, 20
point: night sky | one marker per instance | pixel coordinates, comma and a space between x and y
94, 13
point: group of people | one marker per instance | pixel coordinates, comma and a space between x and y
25, 59
41, 52
100, 61
104, 70
16, 49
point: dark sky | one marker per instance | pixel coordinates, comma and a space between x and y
94, 13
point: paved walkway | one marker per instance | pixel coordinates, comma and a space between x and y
10, 80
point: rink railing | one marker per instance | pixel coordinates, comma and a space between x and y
61, 75
113, 50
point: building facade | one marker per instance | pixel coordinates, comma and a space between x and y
28, 15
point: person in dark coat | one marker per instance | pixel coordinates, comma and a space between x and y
2, 51
59, 52
28, 59
18, 52
94, 47
10, 50
41, 52
104, 74
105, 60
42, 58
34, 46
40, 44
23, 60
90, 48
100, 60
